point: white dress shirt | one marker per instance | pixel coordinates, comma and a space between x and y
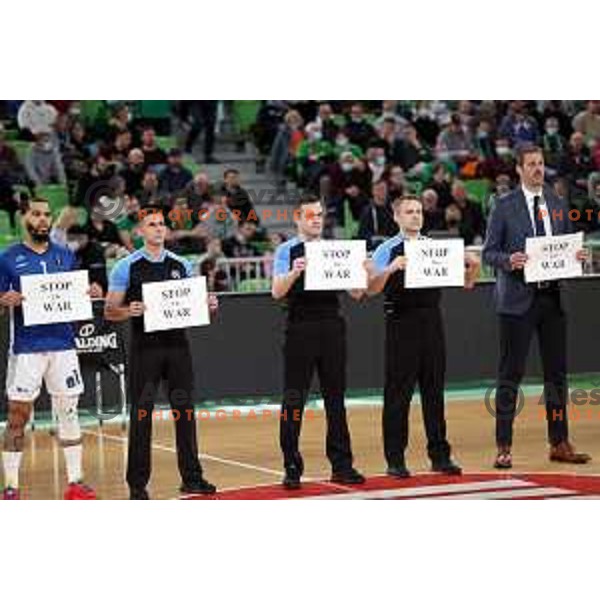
543, 208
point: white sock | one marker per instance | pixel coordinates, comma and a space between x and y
11, 462
73, 461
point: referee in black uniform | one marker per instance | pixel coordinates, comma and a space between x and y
315, 339
415, 346
156, 356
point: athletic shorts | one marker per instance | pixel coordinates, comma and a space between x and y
59, 370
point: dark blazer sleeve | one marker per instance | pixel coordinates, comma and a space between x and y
494, 253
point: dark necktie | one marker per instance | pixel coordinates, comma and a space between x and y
539, 220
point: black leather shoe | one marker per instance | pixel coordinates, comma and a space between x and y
198, 487
349, 477
291, 481
447, 467
138, 494
398, 471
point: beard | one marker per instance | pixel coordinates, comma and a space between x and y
39, 237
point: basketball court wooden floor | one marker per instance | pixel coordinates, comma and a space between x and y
241, 456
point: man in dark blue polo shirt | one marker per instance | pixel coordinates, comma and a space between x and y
415, 346
154, 356
315, 339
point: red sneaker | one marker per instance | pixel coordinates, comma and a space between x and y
79, 491
11, 494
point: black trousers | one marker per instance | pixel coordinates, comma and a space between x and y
149, 364
315, 346
415, 352
546, 318
203, 114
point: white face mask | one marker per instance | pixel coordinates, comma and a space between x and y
551, 130
346, 167
341, 141
317, 135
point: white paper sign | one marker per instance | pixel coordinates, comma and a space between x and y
335, 265
553, 257
175, 304
434, 263
56, 298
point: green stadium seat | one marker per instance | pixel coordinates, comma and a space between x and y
478, 190
57, 195
254, 285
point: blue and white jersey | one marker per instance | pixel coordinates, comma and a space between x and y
19, 260
387, 252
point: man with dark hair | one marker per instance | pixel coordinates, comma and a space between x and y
415, 347
523, 309
315, 339
40, 353
236, 197
154, 356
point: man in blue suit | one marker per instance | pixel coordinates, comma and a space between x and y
527, 309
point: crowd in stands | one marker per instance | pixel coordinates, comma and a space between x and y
112, 160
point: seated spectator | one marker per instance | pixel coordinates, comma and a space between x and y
454, 143
517, 126
357, 129
89, 255
122, 146
67, 218
150, 194
285, 145
396, 181
76, 154
199, 192
12, 173
389, 112
389, 137
377, 221
216, 278
128, 225
313, 154
43, 162
502, 186
441, 185
376, 160
153, 155
577, 163
242, 244
174, 178
454, 225
96, 182
502, 164
426, 124
471, 215
326, 121
433, 215
186, 234
350, 182
133, 173
36, 117
484, 140
236, 198
119, 122
342, 145
103, 231
587, 122
410, 152
554, 146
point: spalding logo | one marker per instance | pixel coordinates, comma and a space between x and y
87, 329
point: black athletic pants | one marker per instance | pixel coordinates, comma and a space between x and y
546, 318
148, 365
315, 345
415, 352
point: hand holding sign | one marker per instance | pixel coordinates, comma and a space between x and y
335, 265
553, 257
175, 304
56, 298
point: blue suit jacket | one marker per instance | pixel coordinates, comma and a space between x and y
509, 225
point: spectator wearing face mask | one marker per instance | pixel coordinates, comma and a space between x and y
376, 161
357, 129
342, 145
43, 162
350, 183
313, 154
503, 163
377, 221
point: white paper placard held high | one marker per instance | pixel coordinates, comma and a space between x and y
175, 304
56, 298
335, 265
553, 257
434, 263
